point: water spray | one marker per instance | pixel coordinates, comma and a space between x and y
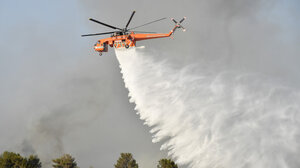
212, 118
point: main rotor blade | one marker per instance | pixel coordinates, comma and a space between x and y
113, 27
130, 19
143, 32
96, 34
147, 23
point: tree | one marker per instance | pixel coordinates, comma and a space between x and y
126, 161
15, 160
166, 163
66, 161
10, 159
33, 162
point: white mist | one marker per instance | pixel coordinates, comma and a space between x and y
214, 119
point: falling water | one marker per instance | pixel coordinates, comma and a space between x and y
214, 119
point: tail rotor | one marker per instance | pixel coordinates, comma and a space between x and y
178, 24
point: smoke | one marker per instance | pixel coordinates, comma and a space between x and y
74, 103
211, 118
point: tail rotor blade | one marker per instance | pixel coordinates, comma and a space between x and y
183, 29
174, 20
182, 19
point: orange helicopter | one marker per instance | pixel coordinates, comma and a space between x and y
126, 38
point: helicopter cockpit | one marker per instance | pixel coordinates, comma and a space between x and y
101, 46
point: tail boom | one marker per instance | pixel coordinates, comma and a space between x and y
139, 37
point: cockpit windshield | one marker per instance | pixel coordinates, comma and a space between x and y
98, 42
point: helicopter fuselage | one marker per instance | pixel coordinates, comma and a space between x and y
127, 40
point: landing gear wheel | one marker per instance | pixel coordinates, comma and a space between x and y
127, 46
100, 54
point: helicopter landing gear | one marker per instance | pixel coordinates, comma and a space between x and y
126, 46
100, 53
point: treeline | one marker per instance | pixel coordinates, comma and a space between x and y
15, 160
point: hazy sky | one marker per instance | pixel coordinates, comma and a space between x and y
58, 96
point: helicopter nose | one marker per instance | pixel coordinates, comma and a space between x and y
96, 48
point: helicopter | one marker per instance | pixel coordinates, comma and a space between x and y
126, 37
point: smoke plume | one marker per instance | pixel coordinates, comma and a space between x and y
73, 103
